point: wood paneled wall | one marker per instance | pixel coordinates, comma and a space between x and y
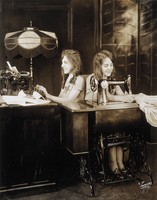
128, 29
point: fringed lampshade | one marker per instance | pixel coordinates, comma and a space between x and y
31, 42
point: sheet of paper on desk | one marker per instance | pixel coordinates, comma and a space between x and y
23, 101
35, 95
31, 101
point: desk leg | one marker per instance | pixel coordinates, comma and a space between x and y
85, 171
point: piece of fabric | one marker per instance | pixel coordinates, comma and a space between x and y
148, 104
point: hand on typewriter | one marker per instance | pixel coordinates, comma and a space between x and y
42, 90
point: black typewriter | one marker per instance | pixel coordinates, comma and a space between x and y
12, 81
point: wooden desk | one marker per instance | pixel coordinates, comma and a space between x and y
27, 146
80, 120
80, 123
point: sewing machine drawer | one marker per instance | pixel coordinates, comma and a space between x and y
119, 119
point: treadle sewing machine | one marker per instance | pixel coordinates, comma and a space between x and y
126, 83
12, 81
86, 129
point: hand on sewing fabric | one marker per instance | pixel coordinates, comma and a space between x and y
72, 83
128, 98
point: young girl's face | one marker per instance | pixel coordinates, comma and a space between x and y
107, 67
66, 65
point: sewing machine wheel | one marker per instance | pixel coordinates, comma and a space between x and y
93, 84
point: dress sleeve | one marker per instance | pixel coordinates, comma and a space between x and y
79, 84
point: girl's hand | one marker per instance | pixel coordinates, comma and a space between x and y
128, 98
41, 89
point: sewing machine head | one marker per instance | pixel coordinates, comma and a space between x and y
126, 83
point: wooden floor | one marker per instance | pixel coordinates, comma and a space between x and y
70, 188
81, 191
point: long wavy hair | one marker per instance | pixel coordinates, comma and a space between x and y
97, 64
75, 59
